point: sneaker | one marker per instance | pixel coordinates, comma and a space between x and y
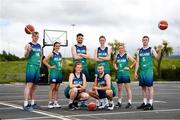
51, 105
83, 104
71, 106
97, 103
128, 106
148, 107
141, 106
103, 103
118, 104
35, 106
76, 105
111, 106
56, 105
28, 108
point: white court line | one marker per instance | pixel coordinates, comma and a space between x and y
58, 116
114, 113
31, 118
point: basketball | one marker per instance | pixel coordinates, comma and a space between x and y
91, 106
163, 25
29, 29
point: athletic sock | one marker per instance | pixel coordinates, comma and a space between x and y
70, 101
120, 100
130, 101
25, 103
145, 101
32, 102
151, 101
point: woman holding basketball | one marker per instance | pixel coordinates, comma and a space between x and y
75, 91
55, 66
123, 74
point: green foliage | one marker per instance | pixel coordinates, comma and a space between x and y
14, 71
8, 56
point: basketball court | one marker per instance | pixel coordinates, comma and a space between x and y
166, 104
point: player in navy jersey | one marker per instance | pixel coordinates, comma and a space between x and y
76, 90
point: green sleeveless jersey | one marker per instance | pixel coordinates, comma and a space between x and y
145, 59
56, 60
122, 62
35, 54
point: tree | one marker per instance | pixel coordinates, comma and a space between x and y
114, 48
166, 50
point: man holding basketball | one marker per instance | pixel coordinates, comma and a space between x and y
144, 71
33, 55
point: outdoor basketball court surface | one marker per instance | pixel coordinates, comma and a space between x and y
166, 104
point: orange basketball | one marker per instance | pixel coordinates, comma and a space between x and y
91, 106
29, 29
163, 25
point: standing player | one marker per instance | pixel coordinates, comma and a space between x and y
103, 88
75, 91
102, 55
33, 55
55, 66
144, 71
80, 54
123, 74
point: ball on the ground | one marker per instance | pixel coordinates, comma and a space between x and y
91, 106
163, 25
29, 29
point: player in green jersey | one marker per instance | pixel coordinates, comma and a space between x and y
33, 55
144, 71
55, 66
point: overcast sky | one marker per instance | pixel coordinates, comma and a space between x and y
124, 20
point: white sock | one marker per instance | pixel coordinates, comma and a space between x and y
50, 102
120, 100
130, 101
55, 102
25, 103
32, 102
145, 101
151, 101
111, 102
70, 101
105, 100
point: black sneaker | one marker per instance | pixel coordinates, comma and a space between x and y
148, 107
76, 105
141, 106
128, 106
35, 106
28, 108
71, 106
118, 104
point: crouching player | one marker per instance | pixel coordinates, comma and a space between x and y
103, 89
75, 91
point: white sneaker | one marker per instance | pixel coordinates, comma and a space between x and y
111, 106
103, 103
51, 105
56, 105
